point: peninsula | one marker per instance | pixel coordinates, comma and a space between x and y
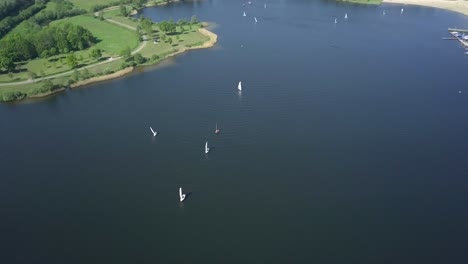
63, 44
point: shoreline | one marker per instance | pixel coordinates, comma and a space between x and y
102, 78
213, 38
458, 6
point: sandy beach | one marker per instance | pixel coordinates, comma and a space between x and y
460, 6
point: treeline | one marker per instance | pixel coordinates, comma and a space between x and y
63, 8
48, 42
116, 3
13, 7
10, 22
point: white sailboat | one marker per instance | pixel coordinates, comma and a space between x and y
217, 130
265, 4
255, 19
181, 195
401, 12
239, 87
154, 132
336, 20
207, 149
383, 13
346, 16
244, 14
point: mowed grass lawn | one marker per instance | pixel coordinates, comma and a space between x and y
111, 38
163, 48
87, 4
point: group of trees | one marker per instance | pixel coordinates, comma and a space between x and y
45, 43
9, 22
171, 27
136, 4
13, 7
63, 8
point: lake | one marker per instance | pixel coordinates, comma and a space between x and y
348, 144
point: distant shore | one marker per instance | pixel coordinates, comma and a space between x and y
460, 6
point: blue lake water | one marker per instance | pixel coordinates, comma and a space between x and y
348, 144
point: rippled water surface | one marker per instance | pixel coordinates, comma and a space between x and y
348, 145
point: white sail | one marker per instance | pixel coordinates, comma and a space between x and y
239, 86
383, 13
154, 132
401, 12
265, 5
255, 19
207, 149
244, 14
336, 20
181, 195
346, 16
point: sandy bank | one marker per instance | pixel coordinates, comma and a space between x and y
46, 94
96, 79
460, 6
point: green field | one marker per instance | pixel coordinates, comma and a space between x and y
111, 37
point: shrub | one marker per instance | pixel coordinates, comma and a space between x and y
13, 96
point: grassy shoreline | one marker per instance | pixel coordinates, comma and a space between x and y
29, 89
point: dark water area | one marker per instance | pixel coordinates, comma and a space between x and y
347, 145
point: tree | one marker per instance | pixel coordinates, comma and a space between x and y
123, 10
52, 51
139, 59
169, 40
166, 26
32, 75
72, 61
181, 22
147, 25
76, 75
177, 37
6, 62
48, 85
96, 53
126, 52
85, 74
194, 20
45, 54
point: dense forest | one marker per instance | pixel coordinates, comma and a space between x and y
13, 7
47, 42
